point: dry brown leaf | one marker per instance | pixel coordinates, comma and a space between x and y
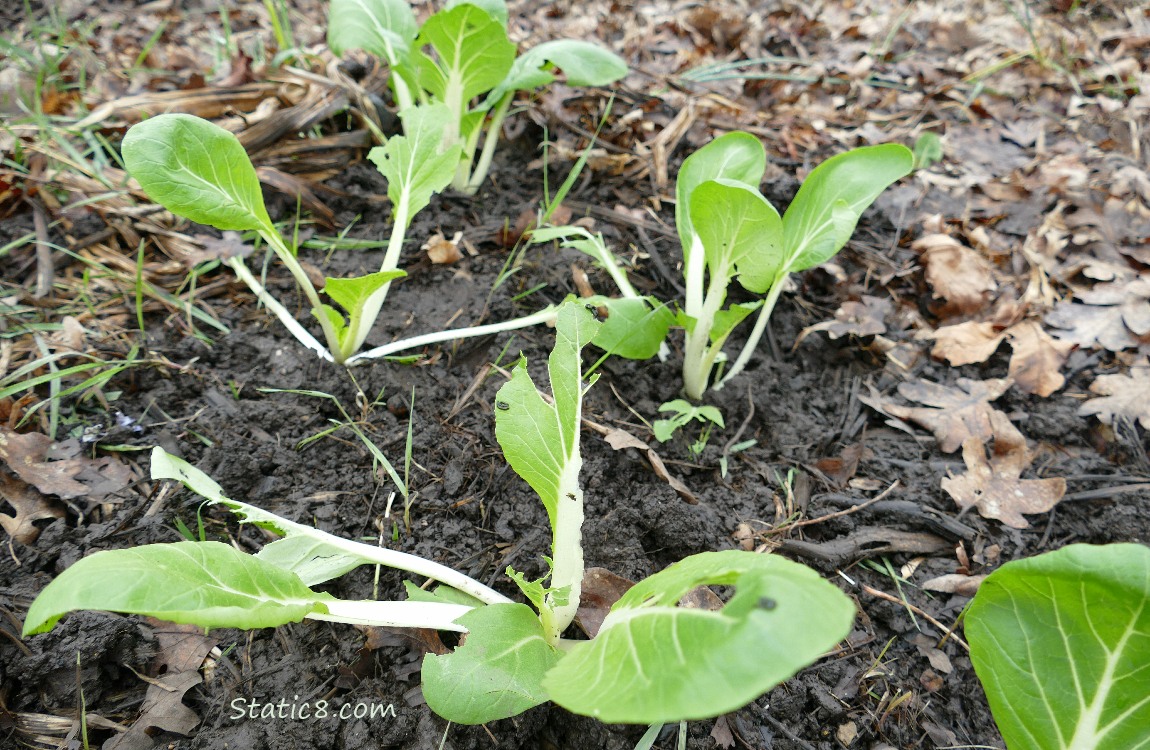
1116, 315
966, 343
958, 414
721, 733
30, 506
620, 439
1126, 396
1037, 359
863, 318
58, 469
182, 650
443, 251
600, 590
1089, 326
994, 486
956, 273
954, 583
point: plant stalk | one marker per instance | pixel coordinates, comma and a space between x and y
479, 174
294, 328
757, 332
545, 315
404, 614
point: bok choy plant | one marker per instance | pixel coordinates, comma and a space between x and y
729, 230
201, 172
462, 58
1061, 644
651, 661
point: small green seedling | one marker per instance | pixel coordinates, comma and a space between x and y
729, 230
201, 172
462, 58
651, 661
1061, 644
683, 413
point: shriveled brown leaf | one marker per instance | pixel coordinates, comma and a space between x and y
953, 414
994, 486
1090, 326
601, 589
30, 506
441, 250
620, 439
721, 733
957, 274
182, 650
1132, 296
966, 343
954, 583
60, 469
1126, 396
1038, 358
863, 318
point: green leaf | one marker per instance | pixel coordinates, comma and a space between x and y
635, 326
385, 28
496, 673
726, 320
740, 231
1061, 643
440, 595
541, 440
209, 584
415, 164
654, 662
311, 559
583, 64
196, 170
352, 295
738, 157
497, 9
473, 54
823, 215
537, 592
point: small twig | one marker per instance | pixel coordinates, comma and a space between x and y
742, 427
926, 616
837, 514
45, 267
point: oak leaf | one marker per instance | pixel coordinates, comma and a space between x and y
1115, 315
1037, 359
966, 343
994, 486
953, 414
1125, 396
863, 318
59, 468
957, 274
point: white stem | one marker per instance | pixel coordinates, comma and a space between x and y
294, 328
698, 357
435, 615
757, 332
543, 316
567, 546
493, 132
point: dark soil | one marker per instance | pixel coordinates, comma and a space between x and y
470, 511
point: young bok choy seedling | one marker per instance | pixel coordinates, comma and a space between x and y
729, 230
200, 171
463, 59
651, 661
